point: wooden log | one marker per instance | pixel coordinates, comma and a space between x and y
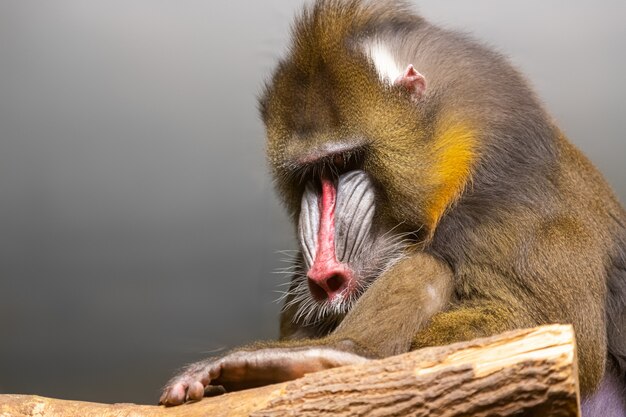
526, 372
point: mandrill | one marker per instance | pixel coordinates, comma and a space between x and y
434, 201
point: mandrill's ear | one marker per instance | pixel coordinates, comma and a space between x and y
413, 82
389, 71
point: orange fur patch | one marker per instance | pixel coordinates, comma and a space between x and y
454, 153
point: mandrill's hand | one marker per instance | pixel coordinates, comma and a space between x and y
248, 369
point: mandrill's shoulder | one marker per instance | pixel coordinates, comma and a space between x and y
584, 190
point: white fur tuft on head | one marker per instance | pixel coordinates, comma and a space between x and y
387, 68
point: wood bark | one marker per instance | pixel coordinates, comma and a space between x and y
528, 372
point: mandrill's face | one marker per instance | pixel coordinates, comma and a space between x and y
343, 251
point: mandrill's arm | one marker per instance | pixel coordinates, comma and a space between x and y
533, 292
382, 323
398, 304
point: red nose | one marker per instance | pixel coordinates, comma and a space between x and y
328, 277
329, 284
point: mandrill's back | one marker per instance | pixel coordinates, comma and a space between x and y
602, 228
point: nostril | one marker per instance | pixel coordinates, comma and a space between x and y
335, 283
327, 288
317, 291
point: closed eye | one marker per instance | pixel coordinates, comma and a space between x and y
331, 161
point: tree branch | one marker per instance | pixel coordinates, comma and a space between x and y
524, 372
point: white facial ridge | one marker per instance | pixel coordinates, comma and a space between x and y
308, 225
354, 211
353, 215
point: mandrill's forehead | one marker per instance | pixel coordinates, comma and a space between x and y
303, 102
330, 99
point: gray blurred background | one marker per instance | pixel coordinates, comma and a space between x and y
138, 227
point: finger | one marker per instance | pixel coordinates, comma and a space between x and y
164, 396
195, 391
175, 394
